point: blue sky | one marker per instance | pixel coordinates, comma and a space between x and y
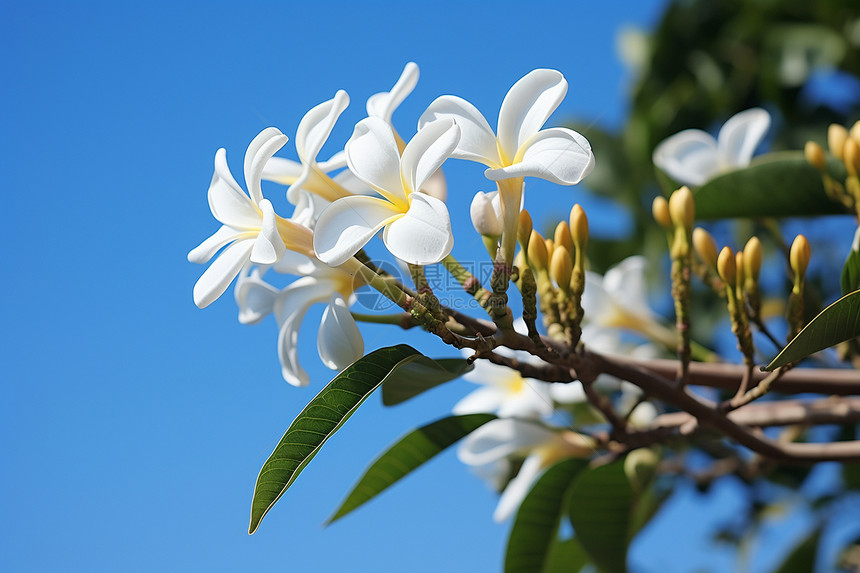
134, 424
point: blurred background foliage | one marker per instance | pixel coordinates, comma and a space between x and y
706, 61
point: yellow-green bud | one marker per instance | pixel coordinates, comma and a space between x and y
682, 208
854, 132
561, 268
852, 156
562, 237
550, 247
752, 258
660, 210
740, 270
579, 226
524, 229
836, 136
705, 246
726, 266
815, 155
538, 255
799, 256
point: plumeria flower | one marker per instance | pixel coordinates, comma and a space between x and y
519, 148
417, 226
251, 231
339, 341
507, 438
383, 104
693, 156
308, 175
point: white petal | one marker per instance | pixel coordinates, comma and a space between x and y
254, 297
532, 401
382, 105
207, 249
336, 161
348, 224
570, 393
260, 150
423, 235
477, 140
518, 488
626, 283
339, 341
483, 400
436, 186
308, 208
740, 135
283, 171
689, 157
215, 280
427, 151
293, 263
316, 126
499, 439
527, 106
486, 213
595, 300
227, 201
559, 155
290, 309
351, 183
269, 246
373, 156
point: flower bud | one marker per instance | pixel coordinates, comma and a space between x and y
836, 136
561, 268
852, 156
660, 210
726, 266
854, 132
562, 237
740, 269
486, 212
815, 155
682, 209
799, 256
524, 229
537, 251
550, 247
705, 246
752, 258
579, 226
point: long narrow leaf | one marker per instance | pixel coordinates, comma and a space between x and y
410, 452
319, 420
837, 323
411, 378
533, 534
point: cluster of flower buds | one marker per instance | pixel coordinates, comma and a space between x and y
844, 146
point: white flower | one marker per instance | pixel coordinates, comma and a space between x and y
619, 298
502, 439
521, 148
693, 156
339, 341
251, 231
308, 175
486, 213
417, 226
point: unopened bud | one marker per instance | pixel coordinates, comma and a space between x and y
486, 213
854, 132
836, 136
740, 269
660, 210
579, 226
682, 209
726, 266
537, 251
550, 247
815, 155
562, 237
852, 156
561, 268
705, 246
524, 229
799, 256
752, 258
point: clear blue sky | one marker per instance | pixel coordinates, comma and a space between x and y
133, 424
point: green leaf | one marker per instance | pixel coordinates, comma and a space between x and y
837, 323
566, 556
407, 454
802, 558
319, 420
781, 184
536, 524
851, 272
420, 374
601, 504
